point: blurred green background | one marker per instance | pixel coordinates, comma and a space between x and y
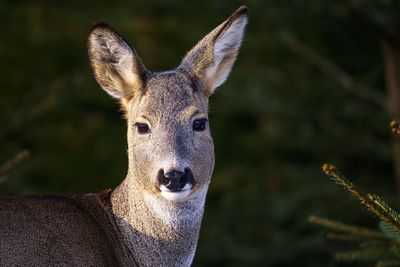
309, 87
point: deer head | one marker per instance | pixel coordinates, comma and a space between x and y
170, 148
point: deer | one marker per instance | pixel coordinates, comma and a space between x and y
153, 217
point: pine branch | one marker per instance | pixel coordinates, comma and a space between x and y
366, 255
354, 230
373, 203
12, 162
389, 232
382, 247
328, 67
387, 263
352, 237
367, 19
40, 108
390, 213
385, 243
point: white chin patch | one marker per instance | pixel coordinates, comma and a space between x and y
176, 196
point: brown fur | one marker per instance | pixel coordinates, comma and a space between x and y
139, 223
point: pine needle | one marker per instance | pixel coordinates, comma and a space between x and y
385, 243
389, 231
355, 230
388, 263
14, 161
386, 209
372, 202
349, 237
365, 255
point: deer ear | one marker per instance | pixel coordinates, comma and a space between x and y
116, 66
212, 58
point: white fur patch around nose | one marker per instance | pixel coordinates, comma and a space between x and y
176, 196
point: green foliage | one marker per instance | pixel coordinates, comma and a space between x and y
273, 120
377, 206
11, 163
383, 246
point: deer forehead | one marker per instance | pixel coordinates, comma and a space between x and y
170, 96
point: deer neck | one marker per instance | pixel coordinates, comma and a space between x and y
156, 231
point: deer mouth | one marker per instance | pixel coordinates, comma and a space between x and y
175, 185
176, 195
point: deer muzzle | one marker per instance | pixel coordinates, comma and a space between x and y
175, 185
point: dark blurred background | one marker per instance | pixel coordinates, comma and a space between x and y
316, 81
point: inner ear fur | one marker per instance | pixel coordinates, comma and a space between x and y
117, 67
213, 57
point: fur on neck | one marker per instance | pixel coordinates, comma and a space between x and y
158, 232
179, 214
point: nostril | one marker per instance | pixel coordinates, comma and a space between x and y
174, 181
163, 180
174, 175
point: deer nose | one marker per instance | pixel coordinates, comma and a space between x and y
173, 181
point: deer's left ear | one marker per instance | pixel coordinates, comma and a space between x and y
211, 60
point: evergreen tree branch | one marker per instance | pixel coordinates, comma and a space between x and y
355, 230
329, 68
386, 243
374, 204
40, 108
12, 162
352, 237
390, 213
367, 19
366, 254
388, 263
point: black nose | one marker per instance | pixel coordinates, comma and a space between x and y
174, 181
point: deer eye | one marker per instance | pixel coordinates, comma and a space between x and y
142, 128
199, 125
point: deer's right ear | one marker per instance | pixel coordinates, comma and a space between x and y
116, 65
